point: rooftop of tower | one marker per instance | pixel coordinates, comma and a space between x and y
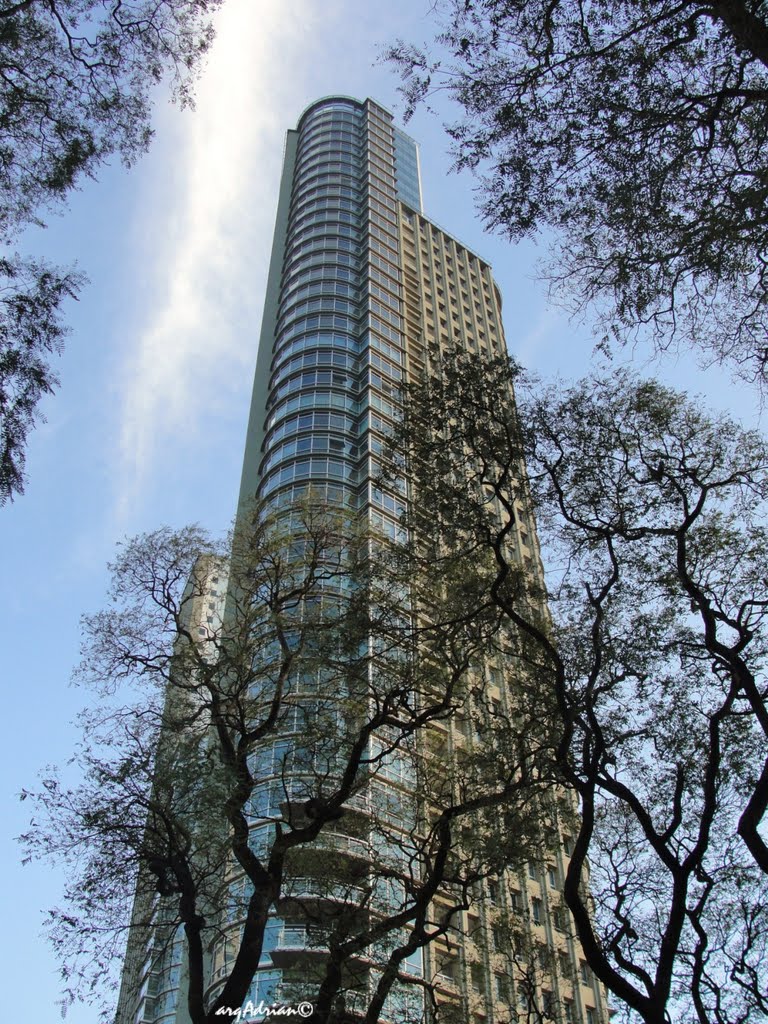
340, 97
343, 98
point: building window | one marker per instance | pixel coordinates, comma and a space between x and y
536, 910
448, 972
502, 988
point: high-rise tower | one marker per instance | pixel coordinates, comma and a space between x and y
361, 288
332, 352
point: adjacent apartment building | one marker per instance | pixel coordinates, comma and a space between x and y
362, 285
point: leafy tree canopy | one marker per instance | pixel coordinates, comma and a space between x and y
282, 770
653, 515
637, 131
77, 81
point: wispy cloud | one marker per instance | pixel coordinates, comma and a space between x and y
190, 345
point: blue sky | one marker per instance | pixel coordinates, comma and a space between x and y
149, 424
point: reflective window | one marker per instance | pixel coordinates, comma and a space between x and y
314, 340
311, 421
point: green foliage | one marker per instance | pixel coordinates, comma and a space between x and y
289, 758
636, 133
653, 516
31, 330
76, 88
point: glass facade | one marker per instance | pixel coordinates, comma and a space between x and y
335, 350
407, 171
361, 284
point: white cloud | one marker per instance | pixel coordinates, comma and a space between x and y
206, 220
223, 176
